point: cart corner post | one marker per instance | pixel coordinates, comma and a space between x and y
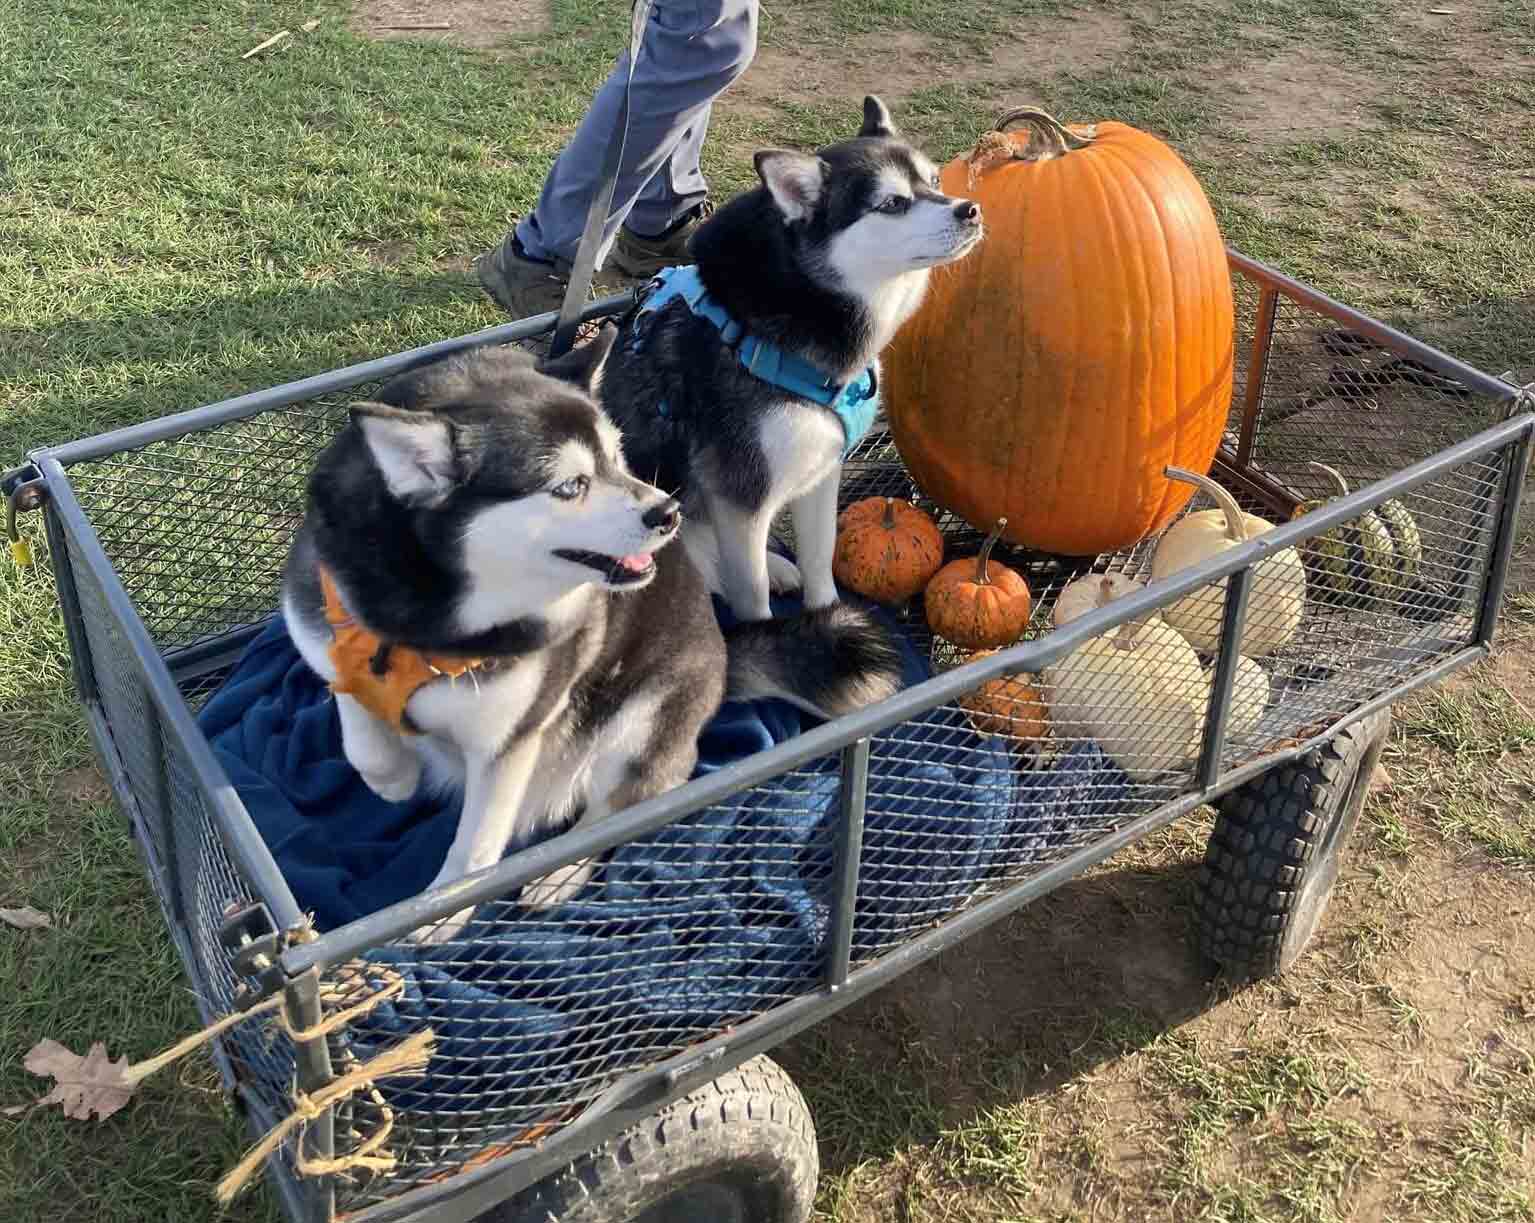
313, 1070
1506, 528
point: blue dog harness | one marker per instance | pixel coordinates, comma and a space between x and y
855, 403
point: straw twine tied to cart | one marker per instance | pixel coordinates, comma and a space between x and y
355, 990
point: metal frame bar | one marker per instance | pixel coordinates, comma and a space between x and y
313, 1069
1503, 545
1233, 616
640, 1091
1257, 373
82, 660
853, 799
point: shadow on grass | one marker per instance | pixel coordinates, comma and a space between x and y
84, 376
1496, 333
1092, 972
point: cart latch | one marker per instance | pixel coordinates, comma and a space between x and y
250, 936
24, 491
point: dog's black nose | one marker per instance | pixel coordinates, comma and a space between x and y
967, 210
663, 517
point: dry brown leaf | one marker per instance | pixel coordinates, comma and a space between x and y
26, 918
85, 1085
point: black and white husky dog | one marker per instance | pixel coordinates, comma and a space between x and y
477, 577
742, 382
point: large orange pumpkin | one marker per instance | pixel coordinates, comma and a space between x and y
1085, 346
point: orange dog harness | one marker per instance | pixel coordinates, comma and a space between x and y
378, 675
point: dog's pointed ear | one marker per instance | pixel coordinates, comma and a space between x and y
796, 181
876, 119
414, 450
582, 365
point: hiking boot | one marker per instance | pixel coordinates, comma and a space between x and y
522, 285
641, 257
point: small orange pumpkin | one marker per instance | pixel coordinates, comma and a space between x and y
978, 605
1011, 707
887, 549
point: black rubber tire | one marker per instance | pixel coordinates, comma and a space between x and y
1273, 857
739, 1149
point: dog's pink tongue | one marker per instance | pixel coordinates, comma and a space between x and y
637, 563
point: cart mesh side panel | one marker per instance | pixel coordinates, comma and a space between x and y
193, 877
731, 911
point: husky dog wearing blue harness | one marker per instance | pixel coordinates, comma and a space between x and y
741, 383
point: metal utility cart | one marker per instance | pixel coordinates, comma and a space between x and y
167, 539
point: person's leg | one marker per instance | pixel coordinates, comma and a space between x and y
670, 207
692, 51
675, 193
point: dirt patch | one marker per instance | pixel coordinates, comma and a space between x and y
890, 65
386, 254
476, 24
82, 787
896, 65
1303, 93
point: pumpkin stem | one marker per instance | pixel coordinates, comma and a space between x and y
1236, 521
1048, 136
982, 578
1336, 477
888, 521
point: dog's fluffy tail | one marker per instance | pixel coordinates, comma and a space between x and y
828, 662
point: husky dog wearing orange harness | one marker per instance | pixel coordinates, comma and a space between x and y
482, 583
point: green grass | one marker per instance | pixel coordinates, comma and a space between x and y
178, 225
1478, 740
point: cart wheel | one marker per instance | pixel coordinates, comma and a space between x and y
1272, 860
740, 1149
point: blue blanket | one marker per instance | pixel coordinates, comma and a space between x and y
712, 919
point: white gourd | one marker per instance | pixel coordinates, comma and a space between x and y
1249, 698
1275, 599
1138, 691
1082, 596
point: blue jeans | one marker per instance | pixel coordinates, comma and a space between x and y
691, 52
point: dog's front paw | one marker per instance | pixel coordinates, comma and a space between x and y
557, 887
398, 782
445, 931
783, 575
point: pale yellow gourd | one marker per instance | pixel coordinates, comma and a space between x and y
1249, 698
1081, 596
1138, 691
1275, 600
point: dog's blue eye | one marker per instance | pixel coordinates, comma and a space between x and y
896, 204
572, 488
